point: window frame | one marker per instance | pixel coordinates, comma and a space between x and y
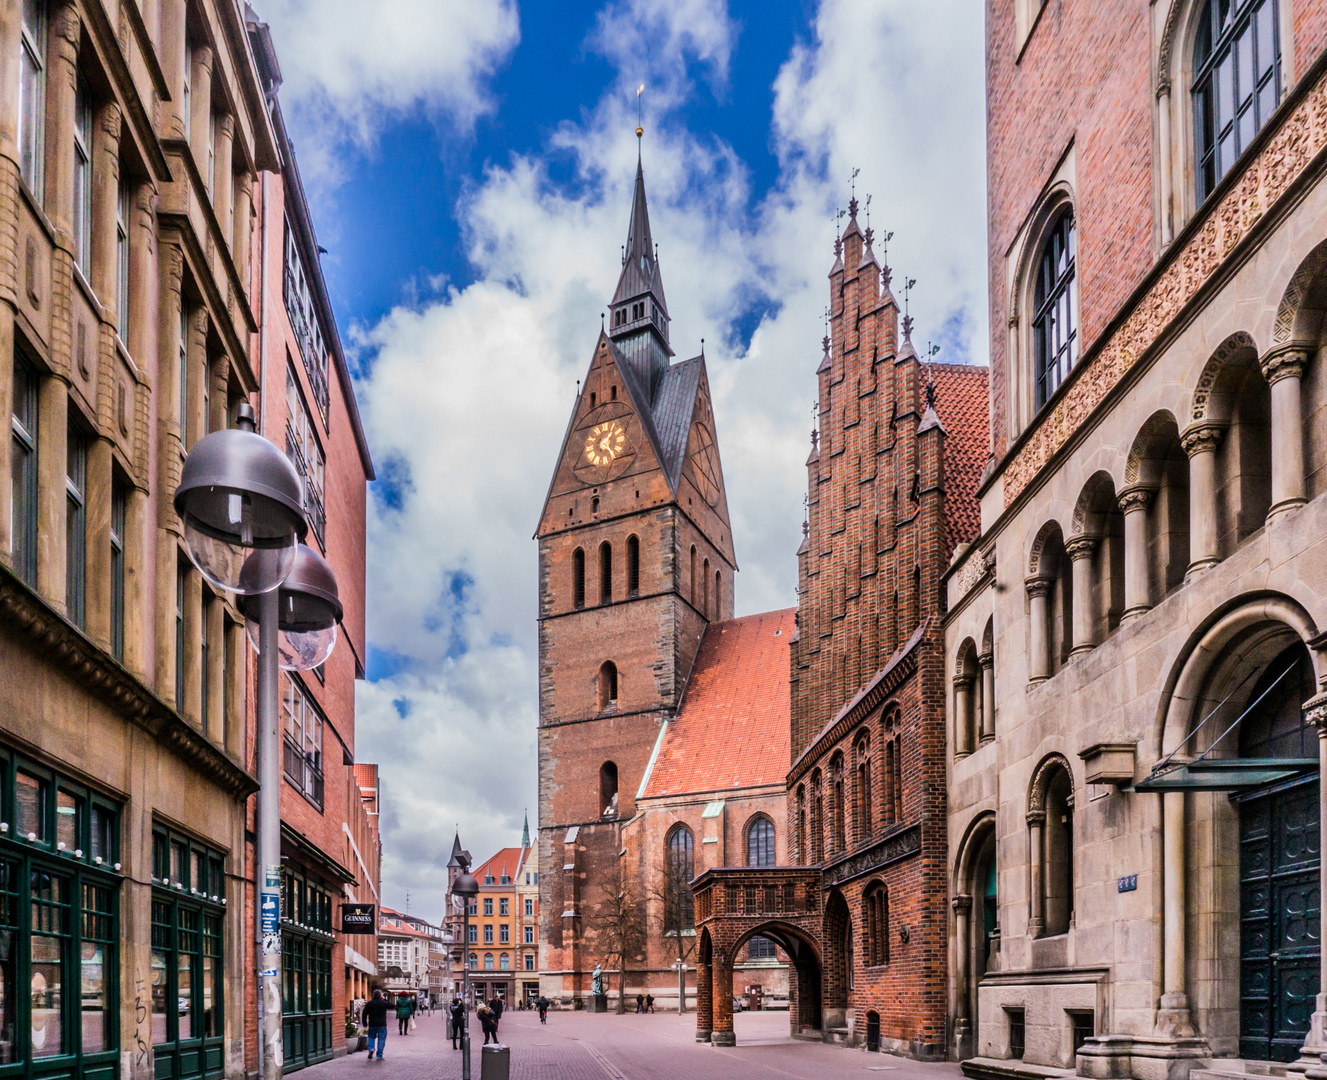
32, 98
119, 516
302, 311
76, 525
305, 450
302, 754
26, 435
82, 216
763, 824
1045, 296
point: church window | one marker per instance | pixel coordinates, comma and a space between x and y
875, 928
836, 794
594, 505
801, 824
680, 867
693, 575
1236, 63
817, 820
593, 397
605, 573
608, 789
760, 842
612, 392
1055, 309
863, 810
633, 566
718, 595
607, 685
705, 585
578, 578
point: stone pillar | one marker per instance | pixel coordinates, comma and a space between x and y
1081, 549
174, 52
98, 573
137, 336
722, 1003
1200, 443
105, 199
61, 86
1283, 371
11, 27
217, 690
223, 184
192, 706
242, 227
218, 393
236, 643
1039, 628
52, 465
1173, 1009
1163, 144
962, 715
195, 423
200, 108
1134, 502
167, 393
137, 555
962, 960
704, 1002
987, 663
1036, 820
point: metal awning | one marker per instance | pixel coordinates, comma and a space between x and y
1227, 774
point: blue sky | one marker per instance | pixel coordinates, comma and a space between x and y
470, 165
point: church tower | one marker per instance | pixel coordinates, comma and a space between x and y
635, 560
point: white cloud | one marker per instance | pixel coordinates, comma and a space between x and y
468, 393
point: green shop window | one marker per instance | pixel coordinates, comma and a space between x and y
188, 908
306, 969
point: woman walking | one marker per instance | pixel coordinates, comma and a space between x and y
405, 1007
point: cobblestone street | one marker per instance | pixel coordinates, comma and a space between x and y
580, 1046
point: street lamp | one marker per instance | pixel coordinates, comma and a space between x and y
241, 504
467, 888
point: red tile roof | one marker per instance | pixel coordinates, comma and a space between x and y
733, 728
963, 407
506, 861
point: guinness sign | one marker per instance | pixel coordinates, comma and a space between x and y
359, 918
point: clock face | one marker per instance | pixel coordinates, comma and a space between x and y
605, 442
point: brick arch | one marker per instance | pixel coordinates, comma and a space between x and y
837, 920
1299, 316
1210, 401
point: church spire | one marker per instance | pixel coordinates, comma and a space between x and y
525, 832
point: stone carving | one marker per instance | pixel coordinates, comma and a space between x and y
1202, 394
1203, 438
971, 574
1082, 546
1135, 498
1051, 528
1300, 138
1283, 364
1038, 586
1309, 271
894, 848
1040, 778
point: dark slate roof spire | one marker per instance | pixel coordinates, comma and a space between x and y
457, 851
640, 268
525, 832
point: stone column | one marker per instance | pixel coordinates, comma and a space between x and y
1036, 820
105, 199
174, 52
962, 715
236, 643
137, 336
98, 565
52, 465
1200, 443
223, 184
1081, 549
218, 394
1134, 502
195, 424
1173, 1009
167, 394
242, 227
137, 548
1163, 127
61, 86
722, 1003
217, 690
192, 706
11, 27
704, 1002
987, 663
962, 960
1039, 627
1283, 370
200, 108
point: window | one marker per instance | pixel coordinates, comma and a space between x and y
488, 960
122, 260
875, 928
32, 96
760, 842
529, 961
1083, 1026
705, 585
303, 756
529, 901
608, 789
862, 804
300, 306
474, 958
306, 968
504, 962
503, 905
23, 520
607, 686
693, 575
488, 905
82, 222
1055, 309
303, 449
1017, 1032
679, 908
1236, 84
1051, 829
633, 566
204, 623
488, 933
529, 934
76, 528
504, 933
184, 375
181, 575
474, 932
605, 573
119, 504
578, 578
762, 948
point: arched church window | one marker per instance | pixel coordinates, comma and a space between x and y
633, 566
718, 593
578, 578
705, 585
607, 685
693, 575
605, 573
875, 930
1236, 82
608, 789
1055, 308
679, 868
760, 842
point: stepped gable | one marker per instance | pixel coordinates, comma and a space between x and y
732, 729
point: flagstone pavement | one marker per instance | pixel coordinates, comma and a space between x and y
660, 1046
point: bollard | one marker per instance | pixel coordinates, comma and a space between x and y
495, 1062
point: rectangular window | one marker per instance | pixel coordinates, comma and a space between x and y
83, 177
32, 96
119, 505
529, 905
1083, 1024
303, 755
47, 956
76, 529
504, 933
23, 519
205, 622
502, 906
488, 933
488, 905
1017, 1033
183, 376
303, 449
122, 261
474, 934
31, 797
529, 961
303, 313
181, 571
529, 935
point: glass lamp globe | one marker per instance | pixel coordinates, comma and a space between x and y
309, 610
240, 502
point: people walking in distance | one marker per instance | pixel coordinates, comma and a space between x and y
457, 1011
488, 1022
543, 1009
375, 1019
640, 1004
405, 1007
649, 1003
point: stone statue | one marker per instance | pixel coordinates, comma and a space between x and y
597, 981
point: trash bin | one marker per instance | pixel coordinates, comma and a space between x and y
449, 1028
495, 1062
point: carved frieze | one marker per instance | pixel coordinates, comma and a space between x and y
894, 848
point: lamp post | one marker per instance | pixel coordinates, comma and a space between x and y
467, 888
240, 501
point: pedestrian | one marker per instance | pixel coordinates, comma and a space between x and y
375, 1019
457, 1011
404, 1009
640, 1004
543, 1009
649, 1003
488, 1023
497, 1005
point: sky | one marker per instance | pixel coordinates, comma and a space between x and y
469, 164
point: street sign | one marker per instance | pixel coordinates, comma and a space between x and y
359, 918
270, 913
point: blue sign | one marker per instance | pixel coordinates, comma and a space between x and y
270, 920
1128, 883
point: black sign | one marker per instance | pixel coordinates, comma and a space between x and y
359, 918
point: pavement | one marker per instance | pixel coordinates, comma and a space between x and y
658, 1046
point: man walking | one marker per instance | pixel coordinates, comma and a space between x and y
543, 1009
497, 1005
375, 1019
457, 1011
640, 1004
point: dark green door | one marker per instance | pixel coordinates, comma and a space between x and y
1280, 922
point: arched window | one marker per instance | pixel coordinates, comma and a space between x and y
608, 789
836, 794
605, 573
1051, 834
863, 808
705, 585
718, 594
474, 960
679, 869
1236, 83
1055, 309
578, 578
607, 685
817, 819
802, 853
633, 566
875, 926
504, 962
488, 961
760, 842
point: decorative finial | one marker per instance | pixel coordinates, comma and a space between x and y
853, 184
908, 283
907, 327
702, 346
640, 129
868, 213
931, 350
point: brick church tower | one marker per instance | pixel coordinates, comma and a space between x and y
635, 560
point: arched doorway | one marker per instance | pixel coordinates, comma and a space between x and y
976, 927
804, 1000
838, 957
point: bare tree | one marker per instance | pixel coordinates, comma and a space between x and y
619, 925
671, 894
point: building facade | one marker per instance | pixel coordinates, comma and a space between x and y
495, 927
527, 919
1134, 644
403, 954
